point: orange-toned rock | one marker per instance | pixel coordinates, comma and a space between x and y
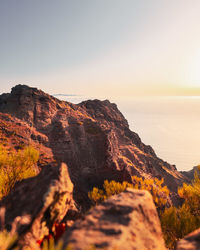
190, 242
125, 221
45, 199
93, 138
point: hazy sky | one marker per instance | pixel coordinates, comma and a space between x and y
113, 47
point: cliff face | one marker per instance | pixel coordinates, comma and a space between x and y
92, 137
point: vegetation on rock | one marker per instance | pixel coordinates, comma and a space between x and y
178, 222
155, 186
16, 166
104, 134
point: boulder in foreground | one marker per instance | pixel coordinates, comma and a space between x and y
45, 199
125, 221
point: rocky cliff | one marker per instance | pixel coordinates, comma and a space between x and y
93, 138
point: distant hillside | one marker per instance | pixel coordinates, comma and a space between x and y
190, 174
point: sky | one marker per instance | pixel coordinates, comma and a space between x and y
98, 47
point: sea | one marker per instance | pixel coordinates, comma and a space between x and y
170, 124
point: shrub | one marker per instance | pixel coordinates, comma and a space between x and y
154, 186
109, 188
191, 194
15, 166
178, 222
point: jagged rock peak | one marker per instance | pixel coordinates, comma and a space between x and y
93, 138
21, 87
23, 90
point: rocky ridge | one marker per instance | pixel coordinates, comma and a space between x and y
93, 138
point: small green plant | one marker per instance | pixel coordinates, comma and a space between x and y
15, 166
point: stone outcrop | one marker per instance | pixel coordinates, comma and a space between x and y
190, 242
125, 221
93, 138
44, 199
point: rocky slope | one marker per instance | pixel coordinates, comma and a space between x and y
93, 138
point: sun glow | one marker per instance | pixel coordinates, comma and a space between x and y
192, 74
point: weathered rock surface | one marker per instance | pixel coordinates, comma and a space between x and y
125, 221
44, 198
16, 134
190, 242
92, 138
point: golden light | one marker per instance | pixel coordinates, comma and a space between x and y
192, 74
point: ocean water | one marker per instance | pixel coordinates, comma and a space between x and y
171, 125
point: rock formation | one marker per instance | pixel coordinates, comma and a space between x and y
190, 242
92, 138
125, 221
45, 199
